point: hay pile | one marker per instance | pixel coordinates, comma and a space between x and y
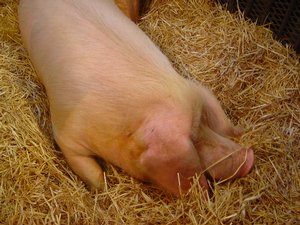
257, 81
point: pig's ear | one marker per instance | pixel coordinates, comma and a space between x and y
214, 116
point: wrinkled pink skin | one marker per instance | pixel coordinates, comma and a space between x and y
113, 94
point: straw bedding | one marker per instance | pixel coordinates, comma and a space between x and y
255, 78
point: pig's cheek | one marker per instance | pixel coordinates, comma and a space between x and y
199, 184
184, 184
180, 184
205, 187
195, 178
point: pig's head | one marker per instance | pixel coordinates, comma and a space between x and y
170, 158
180, 144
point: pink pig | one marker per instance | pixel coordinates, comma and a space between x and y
114, 95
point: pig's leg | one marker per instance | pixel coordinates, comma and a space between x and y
130, 8
85, 166
214, 116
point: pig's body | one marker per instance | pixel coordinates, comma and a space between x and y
113, 94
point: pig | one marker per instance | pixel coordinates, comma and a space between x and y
113, 94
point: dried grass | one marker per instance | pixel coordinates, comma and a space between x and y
255, 78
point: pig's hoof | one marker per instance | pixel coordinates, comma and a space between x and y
98, 183
97, 186
86, 167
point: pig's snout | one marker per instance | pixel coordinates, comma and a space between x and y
247, 164
226, 164
233, 165
222, 158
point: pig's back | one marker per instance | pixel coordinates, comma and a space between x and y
74, 33
97, 66
91, 45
